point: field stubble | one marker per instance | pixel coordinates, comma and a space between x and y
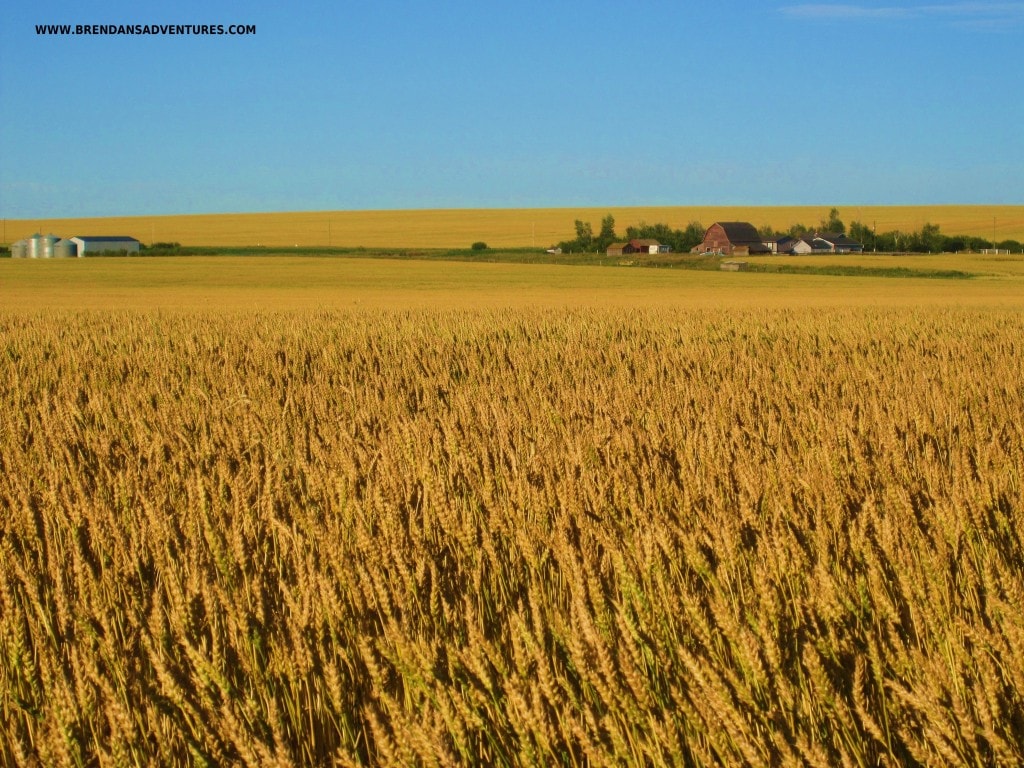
516, 536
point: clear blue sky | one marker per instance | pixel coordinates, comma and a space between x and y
485, 103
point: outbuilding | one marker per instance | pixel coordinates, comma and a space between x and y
732, 237
644, 245
836, 242
733, 266
782, 244
97, 244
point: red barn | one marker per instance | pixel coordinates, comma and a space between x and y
732, 237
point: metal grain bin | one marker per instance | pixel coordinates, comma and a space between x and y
65, 249
35, 246
48, 243
19, 249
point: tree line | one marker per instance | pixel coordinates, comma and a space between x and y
679, 240
928, 239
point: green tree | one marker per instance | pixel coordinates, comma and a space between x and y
931, 239
584, 235
863, 234
693, 235
833, 223
607, 235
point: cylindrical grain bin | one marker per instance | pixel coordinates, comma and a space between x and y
35, 246
65, 249
48, 243
19, 249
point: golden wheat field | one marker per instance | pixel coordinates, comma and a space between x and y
496, 528
503, 227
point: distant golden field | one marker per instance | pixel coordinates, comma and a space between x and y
219, 284
502, 228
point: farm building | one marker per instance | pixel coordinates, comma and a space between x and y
782, 244
802, 246
824, 242
637, 246
819, 242
648, 246
732, 237
96, 244
835, 242
733, 266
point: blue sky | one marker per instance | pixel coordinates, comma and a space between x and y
452, 103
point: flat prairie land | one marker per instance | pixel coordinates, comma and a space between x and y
501, 228
326, 511
301, 282
1008, 266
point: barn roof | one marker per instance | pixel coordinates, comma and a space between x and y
740, 232
104, 239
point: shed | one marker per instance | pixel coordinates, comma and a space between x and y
619, 249
725, 237
95, 244
733, 266
645, 246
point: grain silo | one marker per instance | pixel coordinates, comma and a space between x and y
35, 245
19, 249
65, 249
47, 244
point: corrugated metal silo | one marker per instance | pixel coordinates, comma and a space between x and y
65, 249
35, 246
48, 243
19, 249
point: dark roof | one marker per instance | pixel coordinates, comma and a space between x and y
642, 242
101, 238
740, 232
836, 238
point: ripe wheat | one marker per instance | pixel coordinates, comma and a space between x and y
521, 536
